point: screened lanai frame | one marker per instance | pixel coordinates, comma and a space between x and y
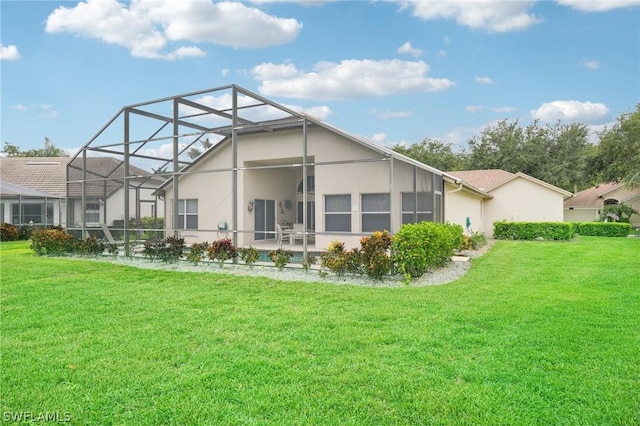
158, 135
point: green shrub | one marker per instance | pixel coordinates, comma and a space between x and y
604, 229
91, 246
168, 250
249, 255
281, 257
374, 254
419, 247
335, 258
308, 261
8, 232
24, 233
52, 242
196, 252
222, 250
503, 230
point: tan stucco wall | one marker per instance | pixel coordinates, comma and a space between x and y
581, 214
280, 183
462, 204
521, 200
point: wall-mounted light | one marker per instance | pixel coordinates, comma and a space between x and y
250, 206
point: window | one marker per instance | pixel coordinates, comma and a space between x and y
92, 213
417, 207
188, 214
376, 212
337, 213
29, 213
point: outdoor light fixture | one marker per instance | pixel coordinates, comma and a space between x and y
250, 206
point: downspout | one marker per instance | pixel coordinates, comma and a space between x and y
459, 182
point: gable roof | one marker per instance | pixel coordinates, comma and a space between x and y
491, 179
312, 121
595, 196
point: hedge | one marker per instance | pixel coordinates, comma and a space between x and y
504, 230
603, 229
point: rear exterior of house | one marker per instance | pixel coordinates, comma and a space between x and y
351, 189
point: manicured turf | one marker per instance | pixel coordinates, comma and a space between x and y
536, 333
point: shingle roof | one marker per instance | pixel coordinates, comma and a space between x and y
49, 174
483, 179
488, 180
595, 196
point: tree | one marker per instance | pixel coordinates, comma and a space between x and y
618, 156
555, 154
48, 150
434, 153
194, 152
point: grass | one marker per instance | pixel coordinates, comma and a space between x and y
535, 333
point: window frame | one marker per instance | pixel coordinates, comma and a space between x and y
367, 214
184, 214
337, 213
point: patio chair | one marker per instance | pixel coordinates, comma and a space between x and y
282, 235
298, 233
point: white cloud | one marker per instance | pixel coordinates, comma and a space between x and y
348, 79
574, 111
490, 15
483, 80
443, 53
379, 138
19, 107
591, 64
259, 113
147, 27
225, 72
9, 53
598, 6
408, 49
385, 115
472, 109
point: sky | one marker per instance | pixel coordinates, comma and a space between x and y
394, 72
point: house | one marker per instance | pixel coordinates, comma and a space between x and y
586, 206
20, 205
332, 184
272, 176
52, 193
514, 197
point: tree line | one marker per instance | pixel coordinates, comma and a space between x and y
559, 154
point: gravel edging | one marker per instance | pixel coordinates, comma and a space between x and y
454, 270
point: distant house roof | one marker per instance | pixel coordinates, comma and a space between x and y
595, 196
489, 180
49, 174
10, 190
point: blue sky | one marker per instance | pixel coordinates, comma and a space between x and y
390, 71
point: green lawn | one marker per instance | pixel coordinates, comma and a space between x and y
544, 333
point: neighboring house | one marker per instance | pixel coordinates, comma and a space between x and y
57, 177
25, 206
586, 206
515, 197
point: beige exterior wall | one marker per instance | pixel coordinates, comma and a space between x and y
271, 170
581, 214
521, 200
460, 204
